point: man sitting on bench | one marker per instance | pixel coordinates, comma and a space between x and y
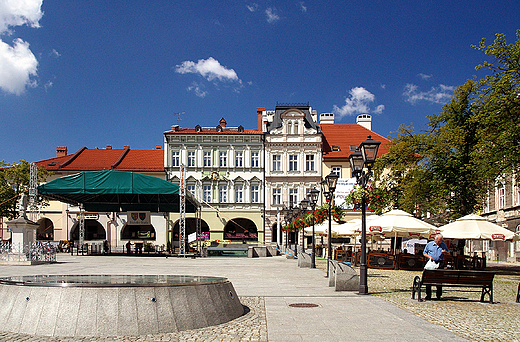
435, 251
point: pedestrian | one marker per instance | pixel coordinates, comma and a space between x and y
128, 248
435, 251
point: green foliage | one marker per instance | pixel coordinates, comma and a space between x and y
14, 180
471, 143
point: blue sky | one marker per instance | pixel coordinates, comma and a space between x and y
96, 73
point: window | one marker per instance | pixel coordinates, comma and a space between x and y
277, 162
309, 162
296, 127
191, 158
223, 159
289, 127
255, 159
222, 190
293, 197
337, 170
207, 193
239, 193
175, 158
501, 197
277, 196
255, 191
239, 159
293, 162
191, 189
207, 158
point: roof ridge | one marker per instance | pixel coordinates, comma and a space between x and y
121, 157
71, 159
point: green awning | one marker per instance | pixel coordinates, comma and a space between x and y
117, 191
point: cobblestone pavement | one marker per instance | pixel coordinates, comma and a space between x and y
250, 327
459, 311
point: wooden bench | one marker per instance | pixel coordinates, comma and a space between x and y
455, 278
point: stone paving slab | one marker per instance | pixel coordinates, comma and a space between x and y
266, 286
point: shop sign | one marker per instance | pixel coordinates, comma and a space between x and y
377, 229
88, 216
144, 235
498, 237
138, 218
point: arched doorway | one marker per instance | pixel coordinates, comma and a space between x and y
241, 229
45, 230
93, 231
191, 227
138, 232
274, 233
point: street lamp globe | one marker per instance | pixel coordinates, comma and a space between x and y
369, 149
331, 180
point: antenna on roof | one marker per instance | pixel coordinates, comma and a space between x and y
178, 116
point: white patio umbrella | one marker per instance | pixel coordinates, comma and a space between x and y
399, 223
475, 227
347, 229
321, 229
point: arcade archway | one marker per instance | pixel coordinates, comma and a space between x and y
45, 230
241, 229
93, 231
191, 227
138, 232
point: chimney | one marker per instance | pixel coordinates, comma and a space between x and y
126, 147
222, 122
365, 120
259, 112
175, 128
158, 147
327, 118
61, 151
109, 147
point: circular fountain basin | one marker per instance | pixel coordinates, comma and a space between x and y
114, 305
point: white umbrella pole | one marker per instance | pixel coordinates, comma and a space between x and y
395, 242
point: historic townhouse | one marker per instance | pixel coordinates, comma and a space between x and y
503, 208
293, 149
225, 172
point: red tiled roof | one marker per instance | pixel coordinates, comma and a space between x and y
193, 131
106, 159
346, 135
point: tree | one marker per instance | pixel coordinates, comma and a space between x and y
497, 109
14, 180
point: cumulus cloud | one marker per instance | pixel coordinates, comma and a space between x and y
358, 102
17, 62
17, 65
210, 69
440, 94
272, 16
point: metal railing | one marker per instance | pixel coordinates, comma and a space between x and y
40, 252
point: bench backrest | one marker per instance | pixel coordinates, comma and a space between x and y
457, 277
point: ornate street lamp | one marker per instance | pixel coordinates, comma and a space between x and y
368, 152
313, 199
328, 187
304, 205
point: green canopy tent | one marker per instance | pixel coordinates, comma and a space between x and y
117, 191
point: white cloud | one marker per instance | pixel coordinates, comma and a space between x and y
440, 94
55, 53
17, 65
271, 15
17, 62
197, 89
357, 103
19, 12
424, 76
210, 69
253, 7
303, 7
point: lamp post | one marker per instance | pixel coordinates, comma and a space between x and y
365, 156
328, 187
304, 205
313, 198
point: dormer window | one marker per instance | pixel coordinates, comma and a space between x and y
219, 128
352, 148
335, 148
198, 128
